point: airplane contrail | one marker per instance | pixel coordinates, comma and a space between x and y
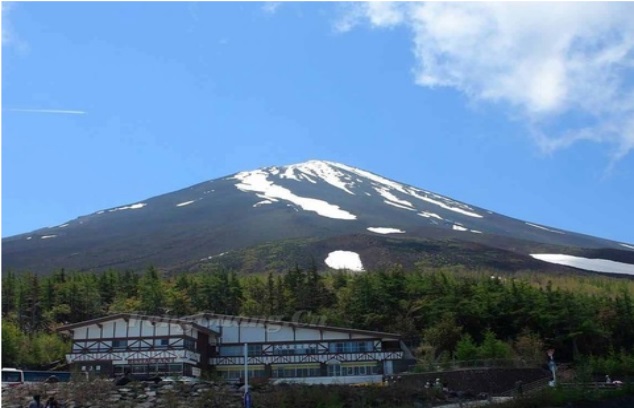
68, 112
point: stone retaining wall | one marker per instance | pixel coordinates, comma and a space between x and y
104, 394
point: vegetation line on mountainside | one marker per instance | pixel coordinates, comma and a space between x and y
443, 314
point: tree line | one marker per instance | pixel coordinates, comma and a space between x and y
443, 313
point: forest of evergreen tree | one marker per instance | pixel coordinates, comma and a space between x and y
448, 313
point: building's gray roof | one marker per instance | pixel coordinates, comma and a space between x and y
127, 316
210, 315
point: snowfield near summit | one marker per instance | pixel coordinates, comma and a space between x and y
595, 265
320, 170
344, 260
385, 230
257, 181
344, 178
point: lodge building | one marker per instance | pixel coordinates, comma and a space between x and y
192, 345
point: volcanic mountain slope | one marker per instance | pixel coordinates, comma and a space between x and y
325, 213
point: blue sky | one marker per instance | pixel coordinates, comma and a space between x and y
526, 110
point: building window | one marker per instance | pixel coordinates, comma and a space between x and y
189, 344
227, 351
351, 347
335, 370
161, 343
238, 351
153, 369
254, 349
119, 344
285, 350
290, 371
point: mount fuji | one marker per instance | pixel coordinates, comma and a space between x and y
314, 213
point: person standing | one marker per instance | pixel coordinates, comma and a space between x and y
35, 403
51, 402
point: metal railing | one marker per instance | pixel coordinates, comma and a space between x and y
454, 365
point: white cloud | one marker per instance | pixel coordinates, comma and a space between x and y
543, 60
270, 7
10, 37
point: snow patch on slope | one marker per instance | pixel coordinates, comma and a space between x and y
438, 200
391, 197
47, 236
398, 205
185, 203
544, 228
263, 202
441, 204
213, 256
344, 260
257, 181
427, 214
456, 227
627, 246
321, 170
595, 265
129, 207
385, 230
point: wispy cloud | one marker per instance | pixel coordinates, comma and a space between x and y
549, 63
59, 111
270, 7
10, 38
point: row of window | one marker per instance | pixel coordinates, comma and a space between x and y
299, 349
154, 369
334, 370
292, 372
239, 374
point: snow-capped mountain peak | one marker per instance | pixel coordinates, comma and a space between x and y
349, 179
345, 209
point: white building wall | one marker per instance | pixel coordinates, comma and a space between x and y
108, 329
134, 328
121, 328
252, 334
162, 329
230, 335
307, 334
279, 333
94, 332
333, 335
